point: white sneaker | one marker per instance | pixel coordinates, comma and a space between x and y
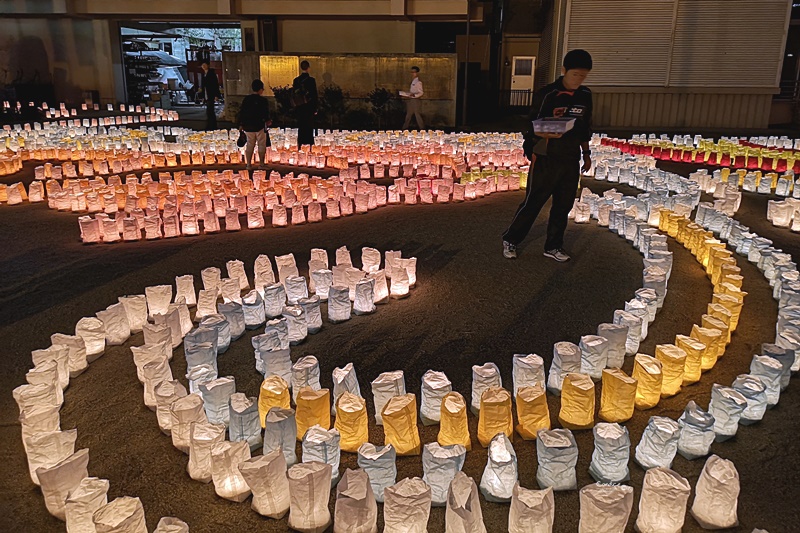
558, 254
509, 250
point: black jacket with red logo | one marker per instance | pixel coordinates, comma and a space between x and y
554, 100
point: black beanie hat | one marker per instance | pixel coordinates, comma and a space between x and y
577, 59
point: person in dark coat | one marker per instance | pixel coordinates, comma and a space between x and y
305, 102
254, 120
212, 94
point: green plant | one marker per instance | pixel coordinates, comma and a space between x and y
379, 98
283, 100
332, 104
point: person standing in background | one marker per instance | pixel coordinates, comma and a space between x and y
412, 100
254, 120
305, 102
212, 94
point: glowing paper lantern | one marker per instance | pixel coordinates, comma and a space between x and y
351, 422
577, 402
453, 428
165, 394
695, 351
407, 506
59, 480
532, 411
673, 362
266, 477
566, 359
339, 305
169, 524
123, 515
400, 283
216, 395
611, 453
769, 370
634, 324
527, 370
399, 420
344, 380
322, 281
557, 454
228, 480
648, 375
617, 336
183, 412
435, 386
60, 356
617, 396
274, 300
158, 299
659, 443
93, 333
202, 438
280, 433
46, 449
90, 495
662, 506
77, 352
532, 511
463, 512
309, 490
313, 406
364, 302
440, 465
497, 416
500, 474
712, 338
755, 392
726, 406
274, 392
322, 445
356, 509
115, 323
311, 309
483, 377
716, 495
605, 508
296, 323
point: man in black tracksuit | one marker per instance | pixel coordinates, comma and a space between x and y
555, 168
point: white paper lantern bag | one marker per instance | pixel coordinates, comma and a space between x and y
266, 477
309, 489
170, 524
228, 480
527, 370
123, 515
566, 360
198, 375
440, 465
59, 480
483, 377
171, 320
253, 309
287, 266
77, 352
463, 513
384, 387
322, 445
662, 506
594, 355
769, 370
356, 510
93, 333
236, 271
322, 279
557, 453
726, 406
165, 394
48, 448
755, 392
339, 306
500, 474
229, 289
364, 302
233, 313
184, 288
60, 356
379, 462
344, 380
221, 326
305, 373
296, 324
716, 495
154, 373
435, 386
90, 495
617, 336
39, 419
605, 508
407, 506
201, 354
296, 288
216, 395
280, 433
158, 299
612, 446
274, 300
184, 411
206, 304
264, 275
659, 443
697, 432
202, 438
244, 420
47, 374
532, 511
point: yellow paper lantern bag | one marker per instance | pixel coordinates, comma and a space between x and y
695, 352
351, 422
711, 338
721, 312
274, 392
577, 402
617, 396
713, 322
733, 302
400, 424
734, 279
532, 411
648, 376
313, 408
673, 362
495, 415
453, 428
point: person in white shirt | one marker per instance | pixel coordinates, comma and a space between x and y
412, 100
